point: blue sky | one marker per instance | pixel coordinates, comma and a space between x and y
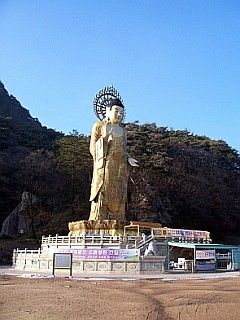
175, 63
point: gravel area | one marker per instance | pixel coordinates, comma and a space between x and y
174, 296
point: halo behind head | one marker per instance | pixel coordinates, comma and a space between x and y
107, 97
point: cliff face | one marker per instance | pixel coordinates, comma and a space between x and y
11, 109
19, 128
20, 134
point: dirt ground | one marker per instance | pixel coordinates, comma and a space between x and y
63, 299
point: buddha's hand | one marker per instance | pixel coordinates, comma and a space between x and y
106, 132
133, 162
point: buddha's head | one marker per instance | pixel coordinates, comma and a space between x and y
115, 111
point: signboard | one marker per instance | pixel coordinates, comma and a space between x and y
205, 265
157, 232
168, 232
205, 254
184, 233
62, 260
103, 254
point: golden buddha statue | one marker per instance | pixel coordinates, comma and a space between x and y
111, 163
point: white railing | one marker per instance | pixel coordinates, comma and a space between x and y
26, 251
23, 254
90, 240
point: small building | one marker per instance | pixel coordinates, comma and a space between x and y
200, 257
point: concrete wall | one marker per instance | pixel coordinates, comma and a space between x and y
44, 263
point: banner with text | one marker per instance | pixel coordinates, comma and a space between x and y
205, 254
102, 254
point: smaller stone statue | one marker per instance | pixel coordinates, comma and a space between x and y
17, 222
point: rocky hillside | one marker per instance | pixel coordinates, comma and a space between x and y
19, 129
20, 134
184, 180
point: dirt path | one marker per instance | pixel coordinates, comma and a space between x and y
63, 299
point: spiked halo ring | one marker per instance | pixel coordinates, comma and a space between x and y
102, 100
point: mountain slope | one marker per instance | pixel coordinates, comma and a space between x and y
183, 181
19, 128
20, 134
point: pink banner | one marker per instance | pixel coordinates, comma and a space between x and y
102, 254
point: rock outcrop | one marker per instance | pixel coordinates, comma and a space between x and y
16, 223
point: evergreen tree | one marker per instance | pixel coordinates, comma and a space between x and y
74, 159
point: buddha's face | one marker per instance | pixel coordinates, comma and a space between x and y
115, 114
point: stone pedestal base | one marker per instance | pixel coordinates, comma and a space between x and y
111, 227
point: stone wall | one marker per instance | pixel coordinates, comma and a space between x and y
42, 262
